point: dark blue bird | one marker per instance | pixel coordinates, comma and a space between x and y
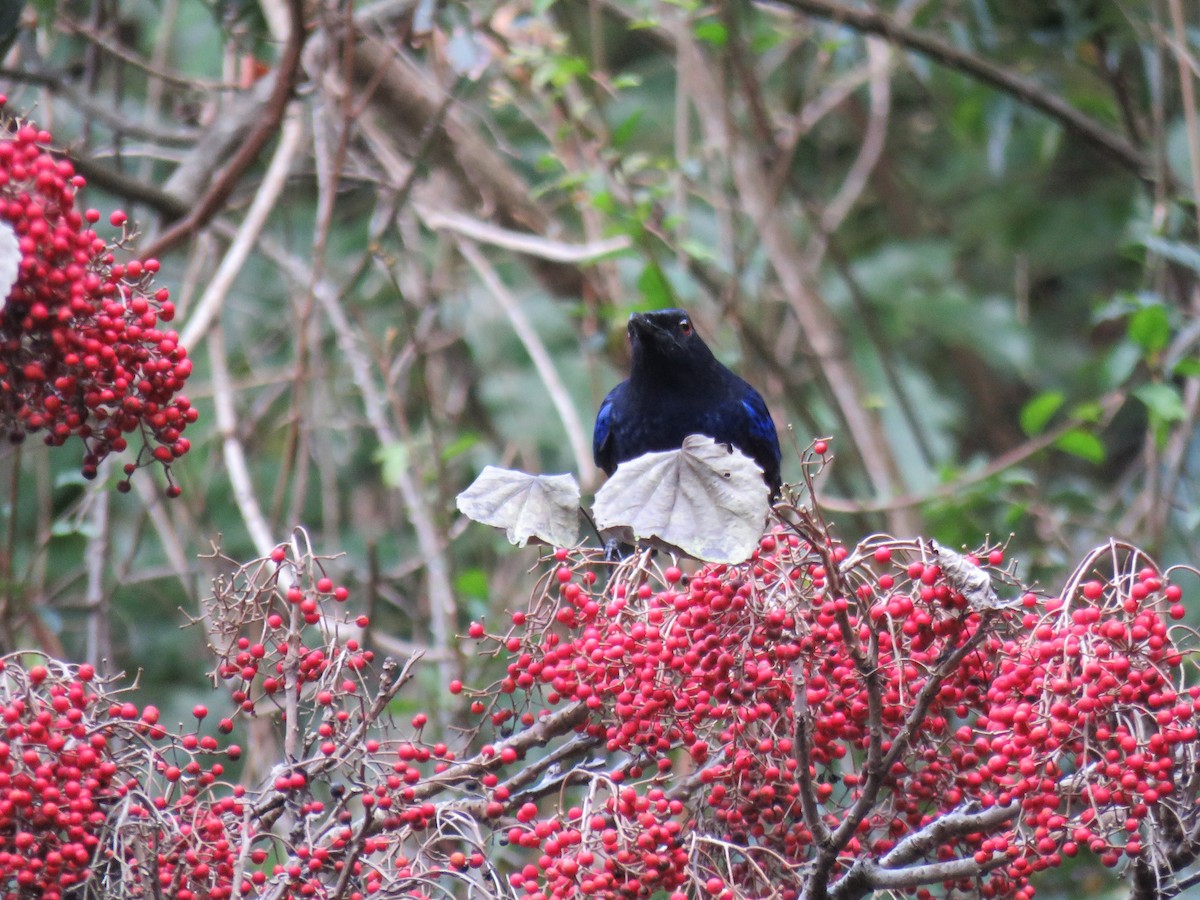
676, 387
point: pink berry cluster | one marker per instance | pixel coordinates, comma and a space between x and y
88, 782
1051, 725
83, 347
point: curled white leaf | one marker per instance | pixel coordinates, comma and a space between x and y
10, 262
705, 499
541, 507
967, 578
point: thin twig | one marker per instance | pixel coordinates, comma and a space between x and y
153, 68
542, 360
218, 192
97, 110
96, 560
209, 304
233, 451
1032, 94
869, 154
1110, 403
522, 242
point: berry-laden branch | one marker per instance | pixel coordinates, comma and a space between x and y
649, 733
210, 203
758, 672
85, 350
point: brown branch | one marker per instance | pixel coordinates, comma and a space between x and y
115, 182
422, 125
1028, 92
100, 109
214, 198
1110, 404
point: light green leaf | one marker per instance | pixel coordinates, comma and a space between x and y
698, 250
1083, 444
711, 33
1119, 364
1188, 367
1162, 400
471, 582
1036, 414
460, 445
625, 129
393, 460
1186, 255
655, 288
1150, 328
1091, 411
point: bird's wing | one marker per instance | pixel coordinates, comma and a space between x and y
762, 426
603, 453
763, 436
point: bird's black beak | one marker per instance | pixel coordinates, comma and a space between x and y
640, 326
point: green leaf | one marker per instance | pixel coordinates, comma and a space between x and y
1188, 367
1120, 363
626, 80
471, 583
625, 130
1083, 444
655, 288
560, 71
1150, 328
1162, 400
392, 459
1177, 252
1036, 414
1090, 411
698, 250
711, 33
603, 201
459, 445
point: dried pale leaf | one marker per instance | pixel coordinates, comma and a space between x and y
967, 578
542, 507
10, 262
705, 499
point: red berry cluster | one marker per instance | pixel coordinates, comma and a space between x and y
774, 675
632, 846
267, 613
83, 350
95, 790
88, 782
287, 647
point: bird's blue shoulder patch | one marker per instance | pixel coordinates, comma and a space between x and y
761, 425
603, 427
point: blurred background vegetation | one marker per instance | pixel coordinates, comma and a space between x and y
958, 236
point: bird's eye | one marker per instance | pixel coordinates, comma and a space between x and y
685, 326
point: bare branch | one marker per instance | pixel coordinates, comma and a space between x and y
218, 192
520, 241
872, 21
542, 361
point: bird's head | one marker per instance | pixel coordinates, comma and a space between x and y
666, 338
